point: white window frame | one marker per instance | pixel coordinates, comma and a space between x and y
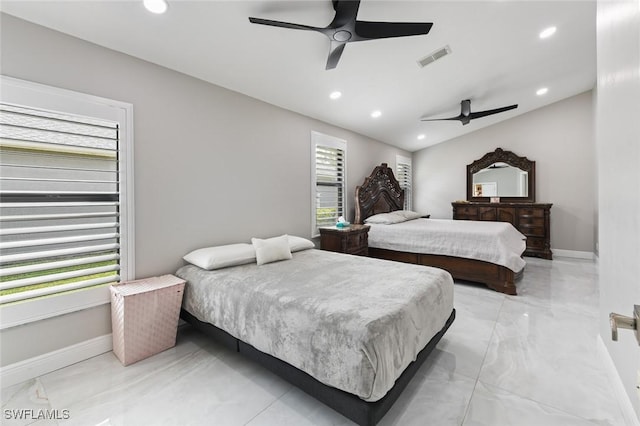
45, 97
321, 139
408, 194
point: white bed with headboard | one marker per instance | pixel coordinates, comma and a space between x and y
484, 252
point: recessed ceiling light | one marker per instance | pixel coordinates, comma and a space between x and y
548, 32
376, 114
420, 137
542, 91
335, 95
156, 6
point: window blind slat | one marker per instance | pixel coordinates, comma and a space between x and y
59, 116
59, 204
37, 267
45, 254
61, 240
56, 277
46, 291
54, 147
57, 216
35, 179
56, 228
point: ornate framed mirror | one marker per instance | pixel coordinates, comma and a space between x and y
502, 174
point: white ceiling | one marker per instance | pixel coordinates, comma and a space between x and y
497, 57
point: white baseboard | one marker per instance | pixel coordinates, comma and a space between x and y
573, 254
37, 366
630, 417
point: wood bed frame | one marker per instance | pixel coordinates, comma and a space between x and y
351, 406
381, 193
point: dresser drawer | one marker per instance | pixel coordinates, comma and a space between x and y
526, 212
487, 214
531, 221
356, 241
532, 230
467, 211
535, 243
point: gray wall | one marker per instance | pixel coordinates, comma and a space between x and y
211, 166
618, 143
558, 137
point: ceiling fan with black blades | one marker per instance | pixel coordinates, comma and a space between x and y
466, 115
345, 28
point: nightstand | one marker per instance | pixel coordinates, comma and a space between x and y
353, 239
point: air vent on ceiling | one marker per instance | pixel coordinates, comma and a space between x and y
434, 56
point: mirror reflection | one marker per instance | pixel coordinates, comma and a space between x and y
500, 180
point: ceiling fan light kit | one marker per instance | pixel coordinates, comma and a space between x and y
345, 28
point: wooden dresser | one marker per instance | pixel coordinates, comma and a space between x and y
353, 239
532, 219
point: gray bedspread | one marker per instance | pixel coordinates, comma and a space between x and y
494, 242
351, 322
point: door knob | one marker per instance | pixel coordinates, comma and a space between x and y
622, 321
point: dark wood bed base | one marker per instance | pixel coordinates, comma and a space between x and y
361, 412
494, 276
381, 193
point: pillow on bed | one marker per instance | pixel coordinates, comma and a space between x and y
299, 243
396, 216
408, 214
271, 249
385, 218
222, 256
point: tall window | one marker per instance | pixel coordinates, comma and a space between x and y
63, 202
328, 176
403, 171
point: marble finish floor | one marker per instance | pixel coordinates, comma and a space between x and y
529, 359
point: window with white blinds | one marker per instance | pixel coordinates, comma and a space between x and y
328, 180
60, 202
403, 171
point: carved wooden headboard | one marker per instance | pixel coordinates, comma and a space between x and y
380, 193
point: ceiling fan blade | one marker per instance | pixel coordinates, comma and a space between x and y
346, 12
334, 54
458, 118
492, 111
371, 30
282, 24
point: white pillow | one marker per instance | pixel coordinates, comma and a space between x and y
271, 249
385, 218
222, 256
299, 243
408, 214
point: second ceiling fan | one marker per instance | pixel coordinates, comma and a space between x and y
345, 28
466, 115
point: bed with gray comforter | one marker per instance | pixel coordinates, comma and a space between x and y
352, 323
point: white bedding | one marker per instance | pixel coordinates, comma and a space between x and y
351, 322
496, 242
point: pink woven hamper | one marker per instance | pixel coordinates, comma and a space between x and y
144, 316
